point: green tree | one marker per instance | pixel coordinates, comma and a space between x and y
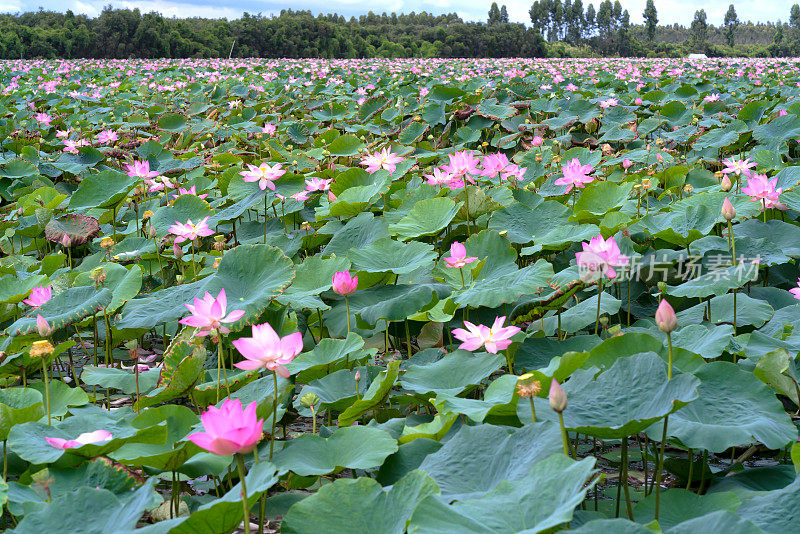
731, 23
794, 17
504, 14
590, 21
699, 30
650, 20
494, 14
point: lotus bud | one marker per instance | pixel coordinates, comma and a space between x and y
43, 327
309, 399
626, 164
665, 317
726, 184
558, 397
177, 250
331, 197
358, 376
638, 101
65, 241
660, 158
538, 140
728, 211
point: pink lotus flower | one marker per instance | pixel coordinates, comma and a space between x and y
107, 136
141, 169
761, 189
263, 174
494, 339
382, 159
638, 101
39, 296
575, 175
318, 184
713, 97
269, 129
458, 256
599, 257
796, 290
209, 314
609, 103
190, 231
782, 112
268, 350
98, 436
738, 167
344, 284
626, 164
666, 319
493, 164
537, 141
229, 429
190, 191
44, 118
439, 177
462, 163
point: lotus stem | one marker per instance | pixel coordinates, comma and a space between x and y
624, 477
669, 344
466, 201
510, 363
347, 305
408, 339
245, 506
657, 479
274, 412
463, 283
46, 387
599, 293
219, 365
564, 438
5, 460
691, 469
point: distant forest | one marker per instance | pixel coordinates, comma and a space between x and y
556, 29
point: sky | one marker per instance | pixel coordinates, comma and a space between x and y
669, 11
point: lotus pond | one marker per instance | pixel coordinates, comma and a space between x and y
387, 296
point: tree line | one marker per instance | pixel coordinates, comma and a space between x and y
607, 31
557, 28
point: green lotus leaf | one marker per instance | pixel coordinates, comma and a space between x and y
362, 502
90, 510
17, 406
101, 190
478, 458
542, 499
610, 404
452, 374
356, 447
64, 309
388, 255
677, 505
250, 274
